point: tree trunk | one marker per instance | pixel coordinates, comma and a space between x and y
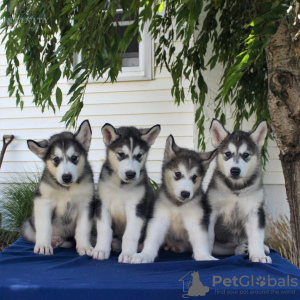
284, 107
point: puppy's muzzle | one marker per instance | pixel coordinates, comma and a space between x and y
235, 172
130, 175
185, 195
66, 178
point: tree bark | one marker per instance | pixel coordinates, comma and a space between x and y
284, 107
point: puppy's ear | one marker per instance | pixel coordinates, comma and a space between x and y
171, 147
38, 148
217, 132
207, 157
150, 135
109, 133
259, 134
84, 135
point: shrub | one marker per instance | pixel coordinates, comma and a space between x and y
279, 237
16, 205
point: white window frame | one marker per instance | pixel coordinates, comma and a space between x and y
145, 70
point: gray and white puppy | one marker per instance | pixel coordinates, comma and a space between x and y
236, 193
126, 197
181, 212
63, 203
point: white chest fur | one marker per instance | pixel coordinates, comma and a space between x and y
78, 195
179, 215
227, 203
119, 199
66, 205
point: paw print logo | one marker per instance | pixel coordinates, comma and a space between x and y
261, 281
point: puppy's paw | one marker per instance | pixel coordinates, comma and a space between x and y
43, 249
56, 241
241, 249
84, 249
266, 249
141, 258
204, 257
125, 257
100, 254
261, 258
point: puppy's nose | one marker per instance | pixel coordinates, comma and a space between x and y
235, 171
67, 178
130, 174
185, 194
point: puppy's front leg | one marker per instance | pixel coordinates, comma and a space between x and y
155, 235
198, 237
42, 219
104, 235
83, 231
256, 235
131, 235
211, 231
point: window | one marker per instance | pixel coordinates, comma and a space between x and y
137, 62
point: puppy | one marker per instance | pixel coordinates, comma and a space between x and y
126, 198
181, 212
236, 193
63, 203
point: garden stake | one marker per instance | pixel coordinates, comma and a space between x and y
7, 139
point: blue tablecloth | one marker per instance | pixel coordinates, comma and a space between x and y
65, 275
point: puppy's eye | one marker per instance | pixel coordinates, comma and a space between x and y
177, 175
139, 156
246, 155
194, 178
74, 158
121, 154
56, 160
228, 154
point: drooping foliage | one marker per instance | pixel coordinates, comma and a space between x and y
49, 33
238, 33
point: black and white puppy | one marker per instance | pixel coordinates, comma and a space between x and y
126, 197
236, 193
63, 203
181, 212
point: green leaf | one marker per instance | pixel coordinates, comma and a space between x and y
271, 17
161, 6
11, 91
266, 7
66, 9
58, 97
256, 21
56, 75
13, 4
245, 59
223, 119
198, 112
271, 29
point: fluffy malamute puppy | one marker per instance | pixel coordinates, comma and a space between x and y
236, 193
181, 212
126, 197
62, 207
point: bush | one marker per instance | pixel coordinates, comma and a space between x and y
16, 205
279, 237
